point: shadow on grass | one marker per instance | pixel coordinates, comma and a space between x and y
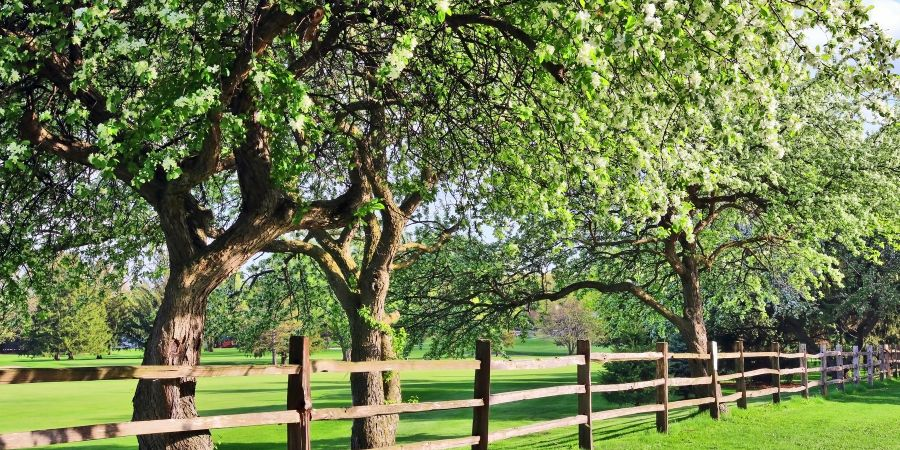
882, 393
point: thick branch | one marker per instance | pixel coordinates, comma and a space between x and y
268, 23
338, 282
70, 150
509, 30
671, 255
340, 254
60, 71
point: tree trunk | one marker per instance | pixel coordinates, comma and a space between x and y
372, 388
176, 339
70, 356
346, 353
693, 328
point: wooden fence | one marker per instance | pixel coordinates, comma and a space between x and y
883, 363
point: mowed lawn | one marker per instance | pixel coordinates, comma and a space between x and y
861, 418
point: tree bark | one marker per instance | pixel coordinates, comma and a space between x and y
693, 326
372, 388
176, 339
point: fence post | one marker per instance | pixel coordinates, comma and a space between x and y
892, 363
714, 379
840, 362
776, 377
741, 382
585, 437
299, 396
823, 369
481, 414
662, 391
881, 362
870, 365
887, 361
804, 364
855, 364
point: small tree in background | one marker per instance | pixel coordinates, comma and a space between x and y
567, 322
335, 329
70, 312
276, 340
130, 313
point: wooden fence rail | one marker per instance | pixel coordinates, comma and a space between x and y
885, 362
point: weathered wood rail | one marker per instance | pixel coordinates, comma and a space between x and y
883, 363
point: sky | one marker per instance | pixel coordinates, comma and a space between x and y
887, 14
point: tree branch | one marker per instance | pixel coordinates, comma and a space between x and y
711, 259
330, 267
509, 30
608, 288
410, 252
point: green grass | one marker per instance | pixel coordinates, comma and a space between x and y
863, 417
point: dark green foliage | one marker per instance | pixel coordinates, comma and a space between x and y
626, 372
70, 314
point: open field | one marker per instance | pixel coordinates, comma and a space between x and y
863, 417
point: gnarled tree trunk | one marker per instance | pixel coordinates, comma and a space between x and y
693, 326
195, 270
174, 340
373, 388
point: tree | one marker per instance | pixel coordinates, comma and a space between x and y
276, 340
131, 312
336, 329
567, 321
450, 298
13, 313
236, 124
70, 313
704, 205
859, 308
732, 241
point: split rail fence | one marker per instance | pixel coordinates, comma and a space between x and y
884, 362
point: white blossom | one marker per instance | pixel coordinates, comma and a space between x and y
583, 18
586, 54
296, 124
694, 80
596, 80
442, 6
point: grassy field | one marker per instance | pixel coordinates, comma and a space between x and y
861, 418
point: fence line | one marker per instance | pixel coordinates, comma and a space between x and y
884, 363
